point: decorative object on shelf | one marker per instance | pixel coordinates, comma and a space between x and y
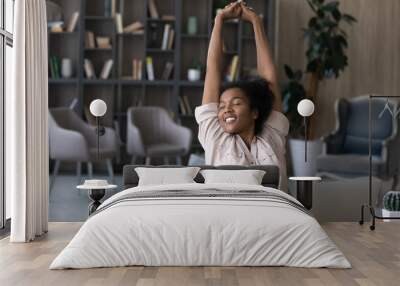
118, 23
73, 21
153, 9
98, 108
136, 27
89, 69
192, 25
232, 71
150, 68
194, 71
53, 12
106, 70
54, 63
305, 109
391, 201
193, 74
96, 191
103, 42
168, 68
56, 27
89, 40
137, 67
66, 68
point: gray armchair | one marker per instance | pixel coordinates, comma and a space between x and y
152, 133
72, 139
346, 150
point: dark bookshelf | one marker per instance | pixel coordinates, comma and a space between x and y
120, 90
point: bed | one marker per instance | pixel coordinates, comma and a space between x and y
198, 224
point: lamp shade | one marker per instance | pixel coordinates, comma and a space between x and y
98, 107
305, 107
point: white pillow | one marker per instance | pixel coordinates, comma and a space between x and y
164, 176
248, 177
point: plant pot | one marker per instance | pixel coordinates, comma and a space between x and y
297, 149
193, 74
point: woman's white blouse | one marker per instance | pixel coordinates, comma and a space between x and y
222, 148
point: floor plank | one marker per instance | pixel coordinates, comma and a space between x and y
375, 257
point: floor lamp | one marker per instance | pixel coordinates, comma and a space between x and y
305, 108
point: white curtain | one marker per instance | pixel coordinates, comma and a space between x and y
26, 124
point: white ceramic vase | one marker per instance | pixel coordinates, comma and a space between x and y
66, 68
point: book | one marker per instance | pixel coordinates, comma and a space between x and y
106, 70
118, 23
135, 26
182, 106
103, 42
169, 66
139, 70
89, 40
55, 67
134, 69
73, 21
188, 108
113, 8
164, 43
153, 9
89, 69
171, 39
232, 71
168, 17
149, 68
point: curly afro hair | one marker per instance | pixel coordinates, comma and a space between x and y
260, 96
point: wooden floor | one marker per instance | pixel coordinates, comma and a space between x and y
375, 257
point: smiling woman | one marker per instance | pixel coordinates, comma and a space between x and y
241, 123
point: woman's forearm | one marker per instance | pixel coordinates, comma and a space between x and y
214, 64
265, 63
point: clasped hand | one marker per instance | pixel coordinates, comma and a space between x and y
238, 9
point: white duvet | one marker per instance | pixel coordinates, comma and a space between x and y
206, 231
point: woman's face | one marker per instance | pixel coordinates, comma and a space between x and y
234, 113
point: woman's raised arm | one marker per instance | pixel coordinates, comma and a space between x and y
215, 54
265, 64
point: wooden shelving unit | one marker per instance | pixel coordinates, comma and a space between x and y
120, 91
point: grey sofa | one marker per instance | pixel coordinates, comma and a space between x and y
346, 150
152, 133
73, 140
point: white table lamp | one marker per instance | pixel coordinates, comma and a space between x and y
305, 108
98, 108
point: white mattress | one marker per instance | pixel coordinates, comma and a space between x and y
200, 231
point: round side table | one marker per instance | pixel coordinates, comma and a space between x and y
95, 193
305, 189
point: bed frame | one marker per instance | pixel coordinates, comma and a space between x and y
270, 179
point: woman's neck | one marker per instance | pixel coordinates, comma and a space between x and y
247, 136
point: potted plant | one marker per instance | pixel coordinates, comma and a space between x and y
326, 42
194, 71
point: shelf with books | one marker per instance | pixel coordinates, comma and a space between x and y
195, 36
99, 81
156, 50
98, 18
187, 83
63, 80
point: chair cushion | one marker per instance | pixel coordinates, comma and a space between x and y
164, 149
350, 164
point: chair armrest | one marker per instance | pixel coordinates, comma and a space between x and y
67, 145
332, 143
180, 135
134, 141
